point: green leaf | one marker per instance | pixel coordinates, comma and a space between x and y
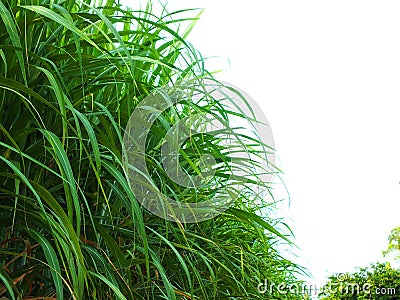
44, 11
12, 30
8, 284
52, 261
115, 289
251, 217
73, 201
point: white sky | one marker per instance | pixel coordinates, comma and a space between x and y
327, 75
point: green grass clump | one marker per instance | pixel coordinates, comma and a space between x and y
71, 74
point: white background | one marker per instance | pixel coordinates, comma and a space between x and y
327, 75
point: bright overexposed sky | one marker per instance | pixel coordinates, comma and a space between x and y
327, 75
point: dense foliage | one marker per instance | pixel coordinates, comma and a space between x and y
394, 244
379, 281
70, 76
